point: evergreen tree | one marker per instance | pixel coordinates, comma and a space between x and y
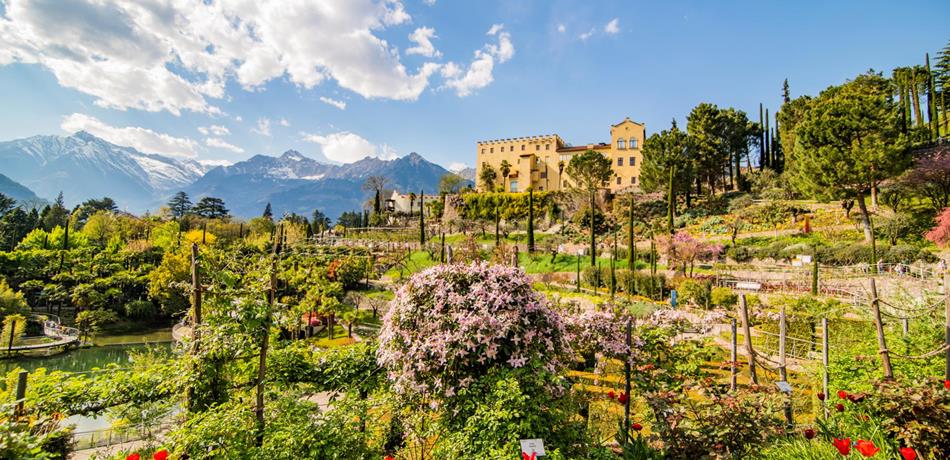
662, 152
932, 101
786, 97
6, 204
590, 170
179, 204
268, 212
211, 208
849, 140
531, 221
57, 214
488, 176
763, 160
422, 218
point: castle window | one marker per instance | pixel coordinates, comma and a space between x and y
492, 150
483, 151
633, 180
633, 142
513, 185
618, 180
620, 144
522, 147
633, 161
544, 174
620, 161
547, 146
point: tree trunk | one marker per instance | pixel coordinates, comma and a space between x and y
865, 219
915, 99
593, 236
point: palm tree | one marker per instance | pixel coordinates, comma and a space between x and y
505, 170
412, 201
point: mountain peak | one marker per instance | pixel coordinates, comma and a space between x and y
414, 157
85, 136
293, 155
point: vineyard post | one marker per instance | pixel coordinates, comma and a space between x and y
783, 365
12, 334
734, 370
20, 394
632, 253
577, 280
824, 361
746, 330
879, 326
626, 372
195, 319
946, 338
814, 275
442, 249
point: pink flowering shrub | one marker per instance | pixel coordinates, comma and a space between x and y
449, 325
683, 250
596, 335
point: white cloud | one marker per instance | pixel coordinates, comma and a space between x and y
216, 130
423, 38
584, 36
429, 2
142, 139
347, 147
561, 28
283, 122
217, 143
457, 166
479, 73
263, 127
238, 118
180, 55
336, 103
613, 27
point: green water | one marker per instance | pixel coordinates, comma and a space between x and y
79, 360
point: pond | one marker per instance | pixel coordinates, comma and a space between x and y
85, 359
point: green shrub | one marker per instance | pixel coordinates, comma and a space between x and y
595, 276
740, 254
646, 284
721, 296
696, 292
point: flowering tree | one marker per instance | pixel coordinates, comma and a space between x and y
682, 250
450, 325
940, 234
930, 176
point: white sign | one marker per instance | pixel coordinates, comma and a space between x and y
532, 446
804, 258
748, 286
784, 387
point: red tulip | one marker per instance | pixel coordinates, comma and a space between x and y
134, 457
908, 453
867, 448
622, 398
821, 396
389, 457
611, 394
839, 407
843, 445
160, 455
946, 384
809, 433
525, 456
636, 427
842, 394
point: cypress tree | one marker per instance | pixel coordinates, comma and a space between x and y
671, 198
768, 140
762, 158
786, 97
422, 219
530, 221
932, 102
632, 239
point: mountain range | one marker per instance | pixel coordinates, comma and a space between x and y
84, 166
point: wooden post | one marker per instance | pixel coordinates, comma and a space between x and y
946, 339
782, 330
881, 342
262, 364
824, 361
626, 372
20, 394
746, 330
734, 370
578, 279
814, 275
442, 250
12, 334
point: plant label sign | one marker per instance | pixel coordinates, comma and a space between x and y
532, 447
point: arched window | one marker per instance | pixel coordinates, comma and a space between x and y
633, 142
620, 144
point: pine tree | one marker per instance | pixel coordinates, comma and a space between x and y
786, 97
179, 204
763, 159
268, 213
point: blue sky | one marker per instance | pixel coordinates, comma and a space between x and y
168, 79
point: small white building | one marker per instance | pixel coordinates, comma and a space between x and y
405, 203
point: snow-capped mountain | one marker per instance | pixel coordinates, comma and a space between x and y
293, 182
84, 166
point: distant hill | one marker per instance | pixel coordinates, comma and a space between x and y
18, 192
84, 166
295, 183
